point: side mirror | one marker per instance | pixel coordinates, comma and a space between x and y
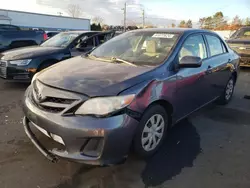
190, 62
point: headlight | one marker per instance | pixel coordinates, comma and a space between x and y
104, 105
22, 62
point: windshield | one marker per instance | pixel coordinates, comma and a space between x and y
242, 34
140, 48
60, 40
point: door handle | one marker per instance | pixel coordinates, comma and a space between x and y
209, 69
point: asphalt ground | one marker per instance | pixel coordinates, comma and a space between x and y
208, 149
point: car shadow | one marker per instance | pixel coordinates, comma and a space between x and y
14, 85
179, 150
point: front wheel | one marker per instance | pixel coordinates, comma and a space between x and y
228, 92
151, 131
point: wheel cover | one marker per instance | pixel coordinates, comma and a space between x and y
229, 89
153, 132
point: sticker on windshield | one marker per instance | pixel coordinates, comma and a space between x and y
163, 35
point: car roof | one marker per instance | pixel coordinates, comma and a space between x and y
173, 30
81, 32
245, 27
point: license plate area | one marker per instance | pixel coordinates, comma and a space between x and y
44, 137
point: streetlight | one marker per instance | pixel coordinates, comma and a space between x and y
125, 14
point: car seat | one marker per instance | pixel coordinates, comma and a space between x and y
151, 48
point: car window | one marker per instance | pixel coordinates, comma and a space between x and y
102, 38
214, 44
51, 34
87, 43
194, 46
60, 40
246, 34
90, 42
243, 33
9, 27
80, 41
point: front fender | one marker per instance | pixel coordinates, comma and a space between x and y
149, 92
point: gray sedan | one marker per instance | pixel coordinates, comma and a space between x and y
127, 93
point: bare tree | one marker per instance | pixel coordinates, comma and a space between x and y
74, 10
98, 20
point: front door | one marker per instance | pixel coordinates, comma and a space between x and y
192, 83
83, 46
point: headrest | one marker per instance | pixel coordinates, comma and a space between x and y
151, 46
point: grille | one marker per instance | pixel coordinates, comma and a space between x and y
3, 69
59, 100
47, 102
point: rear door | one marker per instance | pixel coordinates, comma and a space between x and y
218, 70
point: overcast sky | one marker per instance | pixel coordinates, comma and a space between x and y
111, 11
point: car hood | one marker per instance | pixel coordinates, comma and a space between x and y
238, 41
93, 78
29, 52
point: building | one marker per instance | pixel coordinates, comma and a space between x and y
42, 21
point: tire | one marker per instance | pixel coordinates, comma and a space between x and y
143, 136
227, 95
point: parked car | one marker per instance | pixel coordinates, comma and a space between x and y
13, 37
118, 33
22, 63
240, 42
51, 33
125, 94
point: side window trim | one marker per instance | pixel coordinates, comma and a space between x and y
224, 47
206, 44
95, 42
191, 35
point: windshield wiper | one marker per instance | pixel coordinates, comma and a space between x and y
91, 56
115, 59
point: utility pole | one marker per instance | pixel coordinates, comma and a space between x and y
125, 16
143, 18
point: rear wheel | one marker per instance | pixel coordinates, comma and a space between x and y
228, 92
151, 131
